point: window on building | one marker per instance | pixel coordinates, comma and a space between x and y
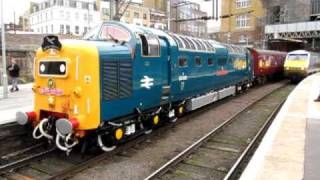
76, 29
243, 21
61, 29
85, 29
76, 15
105, 11
67, 15
90, 17
127, 13
67, 3
67, 29
197, 61
136, 15
73, 4
79, 4
85, 17
52, 28
243, 3
47, 30
61, 14
41, 30
183, 62
85, 5
150, 45
144, 16
60, 2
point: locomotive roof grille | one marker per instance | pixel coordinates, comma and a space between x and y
193, 44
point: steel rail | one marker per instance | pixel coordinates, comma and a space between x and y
181, 156
25, 160
232, 172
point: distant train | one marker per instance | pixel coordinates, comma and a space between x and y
300, 64
122, 80
267, 64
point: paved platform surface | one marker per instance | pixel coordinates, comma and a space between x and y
291, 147
21, 100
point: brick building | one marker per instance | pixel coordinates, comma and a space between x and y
243, 28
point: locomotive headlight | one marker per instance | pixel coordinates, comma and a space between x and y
62, 68
42, 68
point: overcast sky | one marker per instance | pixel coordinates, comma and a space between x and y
20, 6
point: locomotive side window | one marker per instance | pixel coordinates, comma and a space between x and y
183, 62
150, 45
191, 43
180, 45
196, 42
188, 46
203, 47
210, 61
197, 61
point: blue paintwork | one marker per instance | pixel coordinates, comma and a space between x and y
166, 71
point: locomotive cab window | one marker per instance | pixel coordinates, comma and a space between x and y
183, 62
53, 68
150, 45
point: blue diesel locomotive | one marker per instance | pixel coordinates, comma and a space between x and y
130, 78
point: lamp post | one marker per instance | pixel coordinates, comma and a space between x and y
4, 63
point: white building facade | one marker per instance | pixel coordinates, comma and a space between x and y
74, 17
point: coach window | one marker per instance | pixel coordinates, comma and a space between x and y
183, 62
197, 61
150, 45
210, 61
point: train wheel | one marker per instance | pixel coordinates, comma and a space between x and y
105, 143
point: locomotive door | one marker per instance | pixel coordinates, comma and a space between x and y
153, 72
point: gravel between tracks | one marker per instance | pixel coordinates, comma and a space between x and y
139, 162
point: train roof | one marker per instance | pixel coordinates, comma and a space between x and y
263, 51
186, 43
299, 52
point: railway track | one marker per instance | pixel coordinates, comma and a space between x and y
224, 152
51, 164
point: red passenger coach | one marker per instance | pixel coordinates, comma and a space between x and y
267, 64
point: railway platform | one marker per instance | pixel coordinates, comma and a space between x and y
21, 100
291, 146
